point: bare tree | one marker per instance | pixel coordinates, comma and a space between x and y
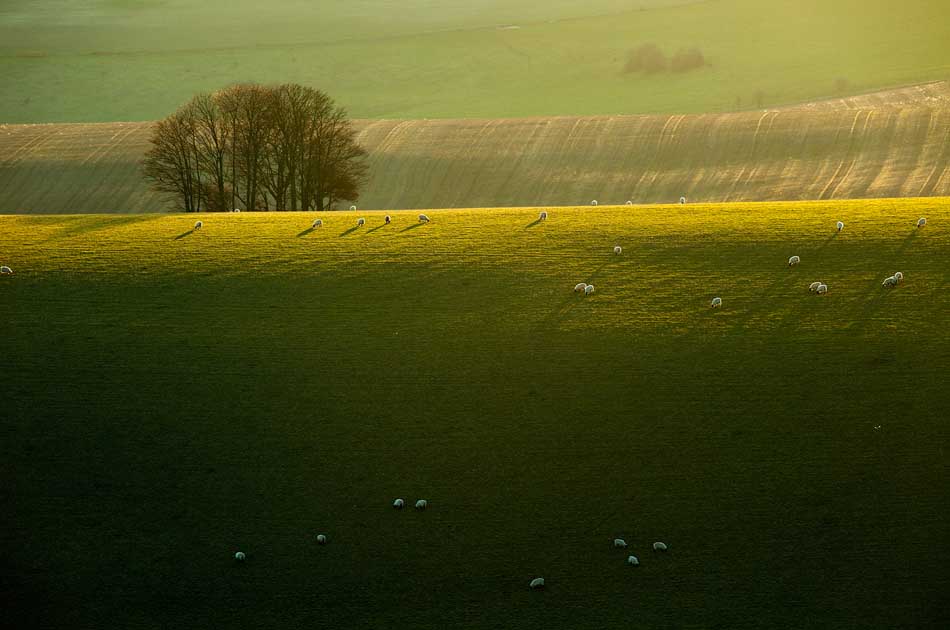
171, 164
286, 147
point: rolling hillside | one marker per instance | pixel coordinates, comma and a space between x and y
136, 60
172, 396
886, 144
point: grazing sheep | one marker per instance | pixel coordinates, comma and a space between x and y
352, 208
588, 289
814, 286
239, 556
822, 289
321, 539
580, 286
716, 302
620, 543
633, 561
921, 222
658, 546
423, 218
682, 200
543, 216
360, 222
899, 277
317, 223
794, 260
6, 270
593, 202
537, 583
618, 249
388, 219
629, 203
398, 504
840, 226
198, 225
889, 282
236, 210
421, 504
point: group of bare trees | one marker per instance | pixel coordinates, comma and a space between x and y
284, 147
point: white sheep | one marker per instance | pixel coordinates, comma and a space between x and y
814, 286
352, 208
633, 561
543, 216
423, 218
899, 277
198, 225
658, 546
620, 543
593, 202
6, 270
822, 289
618, 249
239, 556
422, 504
388, 219
840, 226
716, 302
629, 203
317, 223
580, 286
794, 260
537, 583
321, 539
399, 504
682, 200
360, 222
588, 289
236, 210
889, 282
921, 222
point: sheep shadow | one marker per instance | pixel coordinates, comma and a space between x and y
349, 231
533, 223
305, 232
412, 227
378, 227
185, 234
595, 272
80, 224
561, 311
908, 241
829, 240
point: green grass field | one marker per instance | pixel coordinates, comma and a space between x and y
170, 397
97, 61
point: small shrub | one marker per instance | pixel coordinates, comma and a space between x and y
647, 58
686, 60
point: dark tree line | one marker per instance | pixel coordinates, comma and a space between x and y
285, 147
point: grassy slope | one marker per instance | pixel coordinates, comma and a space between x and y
379, 65
886, 144
171, 397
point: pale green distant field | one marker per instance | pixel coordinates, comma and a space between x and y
110, 61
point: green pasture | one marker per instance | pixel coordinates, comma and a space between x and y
171, 396
101, 61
